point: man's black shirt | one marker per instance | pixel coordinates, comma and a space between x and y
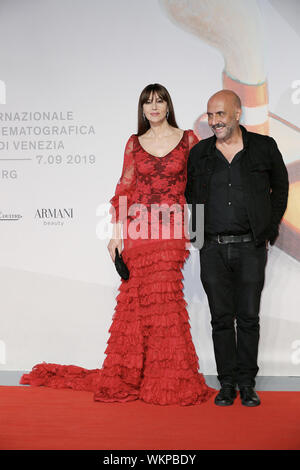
225, 211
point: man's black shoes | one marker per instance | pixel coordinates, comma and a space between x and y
249, 397
226, 395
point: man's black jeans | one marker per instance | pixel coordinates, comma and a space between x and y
233, 277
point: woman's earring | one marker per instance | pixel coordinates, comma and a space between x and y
144, 117
167, 115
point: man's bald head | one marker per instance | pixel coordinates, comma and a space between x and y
227, 95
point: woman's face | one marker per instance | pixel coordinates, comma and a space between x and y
155, 109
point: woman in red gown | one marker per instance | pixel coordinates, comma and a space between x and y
150, 354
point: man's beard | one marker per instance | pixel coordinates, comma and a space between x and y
229, 128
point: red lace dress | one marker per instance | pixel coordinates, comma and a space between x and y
150, 354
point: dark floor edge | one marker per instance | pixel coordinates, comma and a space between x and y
263, 383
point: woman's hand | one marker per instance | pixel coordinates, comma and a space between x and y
116, 240
113, 244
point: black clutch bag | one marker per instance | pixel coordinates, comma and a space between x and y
121, 266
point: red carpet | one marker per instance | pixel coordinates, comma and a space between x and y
43, 418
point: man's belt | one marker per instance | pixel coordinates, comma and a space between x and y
247, 237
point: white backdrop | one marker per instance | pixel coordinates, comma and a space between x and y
71, 75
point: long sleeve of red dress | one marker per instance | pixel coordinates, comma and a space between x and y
126, 185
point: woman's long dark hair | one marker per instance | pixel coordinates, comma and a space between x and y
162, 92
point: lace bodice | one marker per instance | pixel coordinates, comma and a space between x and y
147, 179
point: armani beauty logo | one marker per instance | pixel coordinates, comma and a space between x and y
54, 213
54, 216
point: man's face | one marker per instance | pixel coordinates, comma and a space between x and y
223, 117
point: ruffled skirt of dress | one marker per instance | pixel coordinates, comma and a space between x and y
150, 354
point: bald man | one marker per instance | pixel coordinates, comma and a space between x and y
241, 179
